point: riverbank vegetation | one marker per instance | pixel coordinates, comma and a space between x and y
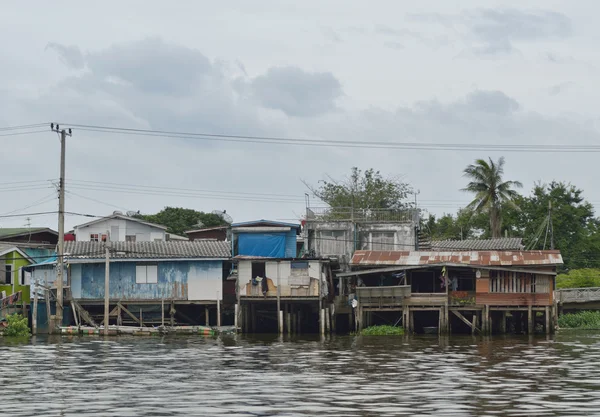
578, 278
382, 331
17, 326
580, 320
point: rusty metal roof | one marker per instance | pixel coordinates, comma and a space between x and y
503, 243
481, 258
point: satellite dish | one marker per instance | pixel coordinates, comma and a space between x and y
223, 214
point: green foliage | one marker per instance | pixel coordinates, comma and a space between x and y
492, 194
580, 320
463, 225
17, 326
573, 219
577, 278
178, 219
364, 190
382, 331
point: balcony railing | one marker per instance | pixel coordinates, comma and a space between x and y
362, 215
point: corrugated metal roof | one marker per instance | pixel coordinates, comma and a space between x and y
266, 223
483, 258
504, 243
20, 231
157, 250
122, 217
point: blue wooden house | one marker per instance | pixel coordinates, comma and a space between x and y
144, 276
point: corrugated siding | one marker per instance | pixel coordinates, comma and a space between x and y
290, 244
173, 280
523, 299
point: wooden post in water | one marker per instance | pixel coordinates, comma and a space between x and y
547, 317
503, 323
34, 312
299, 328
206, 316
288, 318
252, 318
218, 310
474, 323
141, 318
119, 319
235, 316
172, 313
279, 312
106, 287
322, 322
162, 312
47, 300
530, 322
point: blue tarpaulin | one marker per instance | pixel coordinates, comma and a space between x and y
271, 245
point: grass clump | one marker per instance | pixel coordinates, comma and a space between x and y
580, 320
17, 326
382, 331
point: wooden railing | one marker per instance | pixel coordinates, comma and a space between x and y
577, 295
382, 296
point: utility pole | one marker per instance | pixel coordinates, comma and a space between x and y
106, 286
61, 223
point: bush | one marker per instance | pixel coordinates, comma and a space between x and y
580, 320
578, 278
17, 325
382, 331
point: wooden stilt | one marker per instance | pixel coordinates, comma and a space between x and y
474, 324
172, 312
322, 322
328, 319
299, 329
162, 312
34, 313
288, 319
236, 316
206, 316
252, 318
119, 318
141, 319
547, 317
280, 314
530, 323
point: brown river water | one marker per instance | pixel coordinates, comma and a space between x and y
272, 376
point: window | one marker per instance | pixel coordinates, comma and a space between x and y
146, 274
104, 237
8, 273
258, 269
94, 237
518, 282
130, 238
382, 241
332, 242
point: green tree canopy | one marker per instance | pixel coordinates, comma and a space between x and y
492, 193
178, 219
365, 190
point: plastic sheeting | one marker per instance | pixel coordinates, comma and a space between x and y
270, 245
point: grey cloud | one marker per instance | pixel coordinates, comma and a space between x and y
69, 55
559, 88
496, 31
152, 66
393, 45
491, 102
297, 92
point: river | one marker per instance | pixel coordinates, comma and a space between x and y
269, 376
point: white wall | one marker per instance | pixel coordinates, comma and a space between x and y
143, 232
289, 279
205, 282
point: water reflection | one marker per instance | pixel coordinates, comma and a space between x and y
272, 375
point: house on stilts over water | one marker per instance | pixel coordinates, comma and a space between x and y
276, 290
453, 291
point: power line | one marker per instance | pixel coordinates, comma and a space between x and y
30, 126
24, 133
44, 213
339, 143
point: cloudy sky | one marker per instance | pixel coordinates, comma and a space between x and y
512, 72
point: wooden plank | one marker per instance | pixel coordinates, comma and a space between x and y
130, 314
467, 322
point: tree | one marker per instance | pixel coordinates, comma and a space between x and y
178, 219
575, 229
364, 190
491, 192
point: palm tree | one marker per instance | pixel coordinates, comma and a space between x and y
491, 193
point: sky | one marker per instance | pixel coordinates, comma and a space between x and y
469, 72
